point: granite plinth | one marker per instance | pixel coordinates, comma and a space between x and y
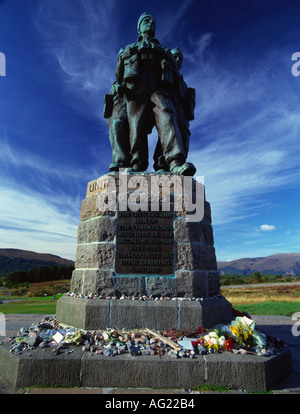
81, 369
135, 253
93, 314
158, 253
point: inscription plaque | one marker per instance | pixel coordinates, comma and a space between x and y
145, 243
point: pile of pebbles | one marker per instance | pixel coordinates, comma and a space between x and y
141, 298
55, 338
50, 336
32, 336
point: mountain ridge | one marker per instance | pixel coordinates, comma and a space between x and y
279, 263
14, 260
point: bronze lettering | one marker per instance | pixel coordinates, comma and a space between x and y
145, 243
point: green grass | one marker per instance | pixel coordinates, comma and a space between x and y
211, 388
46, 305
10, 297
40, 305
270, 308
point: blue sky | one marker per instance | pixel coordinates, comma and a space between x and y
60, 61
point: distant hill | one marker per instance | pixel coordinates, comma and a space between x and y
280, 263
15, 260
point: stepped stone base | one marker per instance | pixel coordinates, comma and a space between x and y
158, 253
93, 314
123, 252
181, 262
81, 369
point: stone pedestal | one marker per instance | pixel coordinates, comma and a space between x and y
81, 369
156, 254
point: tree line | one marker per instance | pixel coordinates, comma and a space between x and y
38, 274
257, 277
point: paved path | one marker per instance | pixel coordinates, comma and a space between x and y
254, 285
281, 327
277, 326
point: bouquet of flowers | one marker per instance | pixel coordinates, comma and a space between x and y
243, 331
214, 340
240, 333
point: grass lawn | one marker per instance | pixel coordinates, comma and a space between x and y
265, 300
270, 308
47, 306
40, 305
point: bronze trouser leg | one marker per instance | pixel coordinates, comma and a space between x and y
167, 127
159, 160
185, 133
119, 138
138, 121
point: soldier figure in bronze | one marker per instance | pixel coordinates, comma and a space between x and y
149, 75
116, 113
184, 102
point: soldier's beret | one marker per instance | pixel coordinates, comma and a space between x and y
142, 17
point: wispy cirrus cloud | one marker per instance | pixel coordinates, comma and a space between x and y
246, 128
37, 208
32, 221
245, 133
30, 163
169, 21
82, 42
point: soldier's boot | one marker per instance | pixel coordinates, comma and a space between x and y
187, 169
